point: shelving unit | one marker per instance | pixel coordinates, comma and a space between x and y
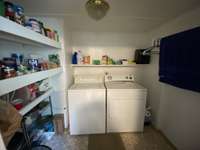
35, 102
12, 31
11, 84
15, 33
129, 65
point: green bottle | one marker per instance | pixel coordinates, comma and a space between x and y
2, 8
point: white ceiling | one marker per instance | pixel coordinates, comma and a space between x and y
124, 15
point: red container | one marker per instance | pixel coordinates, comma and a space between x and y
9, 11
18, 104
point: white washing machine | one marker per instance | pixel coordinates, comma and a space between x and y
87, 105
126, 102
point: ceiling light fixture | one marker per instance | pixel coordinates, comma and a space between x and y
97, 9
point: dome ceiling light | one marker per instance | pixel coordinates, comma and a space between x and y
97, 9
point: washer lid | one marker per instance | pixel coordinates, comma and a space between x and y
123, 85
88, 79
85, 86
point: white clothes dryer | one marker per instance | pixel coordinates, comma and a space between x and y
126, 102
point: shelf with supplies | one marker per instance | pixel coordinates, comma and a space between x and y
11, 84
35, 102
9, 30
91, 65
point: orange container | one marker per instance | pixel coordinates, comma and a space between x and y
86, 60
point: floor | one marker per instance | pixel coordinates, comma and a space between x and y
149, 140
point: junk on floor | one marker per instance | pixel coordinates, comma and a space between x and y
148, 116
10, 121
58, 121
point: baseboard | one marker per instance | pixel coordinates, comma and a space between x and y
165, 137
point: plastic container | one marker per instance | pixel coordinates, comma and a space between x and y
10, 62
1, 70
53, 35
2, 8
48, 33
18, 58
42, 28
104, 60
86, 60
79, 58
28, 25
124, 62
74, 58
19, 14
57, 36
18, 104
35, 25
8, 73
96, 62
9, 11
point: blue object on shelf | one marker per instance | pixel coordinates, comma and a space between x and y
74, 58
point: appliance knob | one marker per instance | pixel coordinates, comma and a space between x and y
130, 78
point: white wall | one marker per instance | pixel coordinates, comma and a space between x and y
176, 111
68, 52
69, 71
115, 45
2, 145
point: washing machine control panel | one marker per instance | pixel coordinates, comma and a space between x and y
126, 77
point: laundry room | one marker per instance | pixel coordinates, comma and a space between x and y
99, 75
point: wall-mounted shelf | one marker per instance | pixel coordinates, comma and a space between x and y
12, 31
129, 65
35, 102
11, 84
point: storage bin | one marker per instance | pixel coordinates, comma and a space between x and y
58, 121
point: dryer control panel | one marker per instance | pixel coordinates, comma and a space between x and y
124, 77
88, 79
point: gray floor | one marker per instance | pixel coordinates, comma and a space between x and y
149, 140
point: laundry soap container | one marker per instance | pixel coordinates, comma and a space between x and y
79, 58
74, 58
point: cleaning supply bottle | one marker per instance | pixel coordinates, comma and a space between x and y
79, 57
74, 58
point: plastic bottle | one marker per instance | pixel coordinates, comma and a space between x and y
79, 57
74, 58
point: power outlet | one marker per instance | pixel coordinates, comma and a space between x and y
156, 42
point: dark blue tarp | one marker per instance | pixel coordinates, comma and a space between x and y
180, 60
